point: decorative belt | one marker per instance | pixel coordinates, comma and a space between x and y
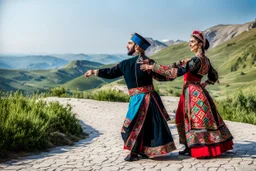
140, 90
190, 82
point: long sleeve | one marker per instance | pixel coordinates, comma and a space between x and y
111, 73
160, 77
180, 63
157, 76
171, 73
212, 75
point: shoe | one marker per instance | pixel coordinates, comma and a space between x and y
131, 157
185, 151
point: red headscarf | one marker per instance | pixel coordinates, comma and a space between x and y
199, 35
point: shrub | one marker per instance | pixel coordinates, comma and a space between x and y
157, 89
27, 123
171, 91
230, 44
240, 108
111, 95
177, 94
59, 92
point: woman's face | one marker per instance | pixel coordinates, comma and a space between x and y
194, 45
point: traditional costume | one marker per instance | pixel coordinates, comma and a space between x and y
199, 124
145, 130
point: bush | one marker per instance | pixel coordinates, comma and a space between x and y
240, 108
112, 95
59, 92
177, 94
28, 124
82, 95
230, 44
171, 91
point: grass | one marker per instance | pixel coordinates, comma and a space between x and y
30, 124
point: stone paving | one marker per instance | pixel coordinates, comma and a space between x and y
103, 149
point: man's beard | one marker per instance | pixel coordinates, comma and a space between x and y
131, 52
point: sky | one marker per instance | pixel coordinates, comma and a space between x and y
105, 26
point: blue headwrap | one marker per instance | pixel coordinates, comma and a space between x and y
141, 41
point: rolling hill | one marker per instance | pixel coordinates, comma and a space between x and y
4, 66
44, 62
42, 80
101, 58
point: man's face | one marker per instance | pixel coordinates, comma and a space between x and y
131, 48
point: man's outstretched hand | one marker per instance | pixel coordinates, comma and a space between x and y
89, 73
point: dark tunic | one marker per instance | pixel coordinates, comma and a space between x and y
133, 76
145, 130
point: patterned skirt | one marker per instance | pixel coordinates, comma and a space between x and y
199, 124
145, 130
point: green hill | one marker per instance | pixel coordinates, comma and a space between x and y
42, 80
32, 62
81, 83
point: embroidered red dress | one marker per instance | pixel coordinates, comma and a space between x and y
199, 124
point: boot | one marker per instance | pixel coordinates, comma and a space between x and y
131, 157
144, 155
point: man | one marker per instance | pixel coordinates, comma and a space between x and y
145, 130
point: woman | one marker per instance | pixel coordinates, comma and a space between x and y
200, 127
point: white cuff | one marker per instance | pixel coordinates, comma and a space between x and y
96, 72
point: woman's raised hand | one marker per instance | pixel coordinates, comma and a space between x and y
146, 61
146, 67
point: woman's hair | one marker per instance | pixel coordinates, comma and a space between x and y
206, 46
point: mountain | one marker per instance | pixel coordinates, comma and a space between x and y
155, 46
101, 58
108, 58
42, 80
72, 57
38, 66
172, 42
33, 62
221, 33
4, 66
